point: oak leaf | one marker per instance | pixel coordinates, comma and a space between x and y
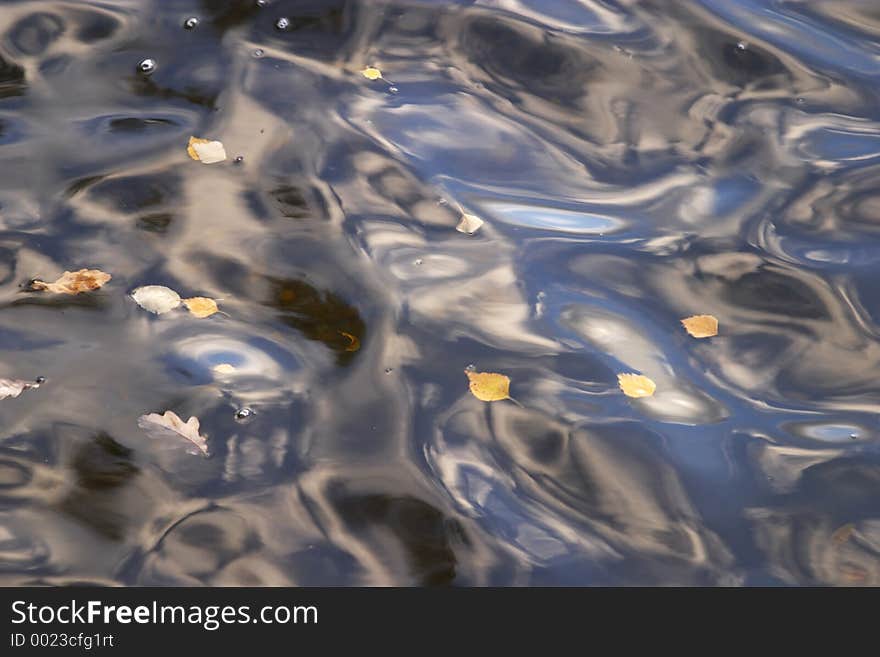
170, 425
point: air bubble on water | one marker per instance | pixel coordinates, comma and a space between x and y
147, 66
393, 90
243, 414
191, 23
262, 3
40, 380
238, 159
282, 23
418, 262
389, 370
800, 100
470, 368
258, 52
742, 45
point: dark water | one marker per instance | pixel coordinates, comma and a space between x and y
635, 163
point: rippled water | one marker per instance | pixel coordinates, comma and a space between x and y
634, 162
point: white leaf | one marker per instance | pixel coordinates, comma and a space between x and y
14, 387
470, 223
210, 153
156, 298
171, 426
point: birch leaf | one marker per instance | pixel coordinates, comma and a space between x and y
371, 73
488, 386
636, 385
157, 299
201, 306
171, 426
14, 387
469, 223
701, 326
205, 150
74, 282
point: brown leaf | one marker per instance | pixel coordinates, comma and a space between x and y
701, 326
201, 306
488, 386
170, 425
14, 387
636, 385
74, 282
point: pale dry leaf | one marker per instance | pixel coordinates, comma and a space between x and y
201, 307
205, 150
75, 282
371, 73
157, 299
488, 386
14, 387
224, 368
170, 425
469, 223
701, 326
636, 385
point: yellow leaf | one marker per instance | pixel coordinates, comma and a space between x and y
488, 387
371, 73
701, 326
205, 150
224, 368
354, 343
74, 282
201, 306
636, 385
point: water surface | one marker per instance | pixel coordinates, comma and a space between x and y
634, 162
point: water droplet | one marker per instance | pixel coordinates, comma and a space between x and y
258, 52
147, 66
853, 436
393, 90
243, 414
238, 159
800, 101
742, 45
40, 380
282, 23
442, 201
190, 23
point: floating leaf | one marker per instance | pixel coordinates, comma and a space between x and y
205, 150
75, 282
14, 387
701, 326
201, 306
354, 343
636, 385
224, 368
170, 425
469, 223
371, 73
157, 299
488, 386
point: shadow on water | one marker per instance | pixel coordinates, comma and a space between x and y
633, 164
